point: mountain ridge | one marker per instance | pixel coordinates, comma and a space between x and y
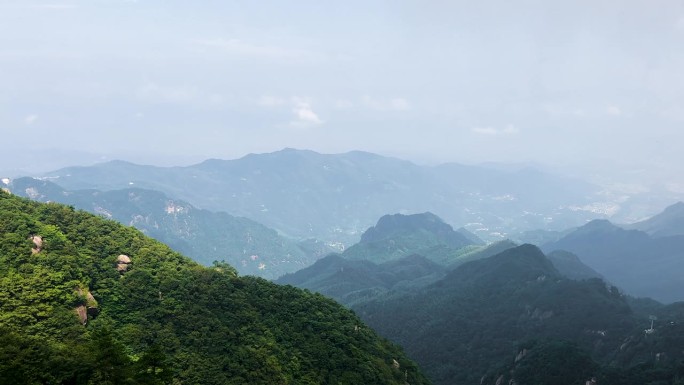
203, 235
335, 197
631, 259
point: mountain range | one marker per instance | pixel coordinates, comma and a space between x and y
403, 253
499, 312
203, 235
335, 197
85, 300
641, 264
478, 322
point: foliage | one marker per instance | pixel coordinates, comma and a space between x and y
203, 235
471, 323
397, 236
165, 318
356, 281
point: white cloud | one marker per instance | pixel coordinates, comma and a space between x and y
509, 129
29, 120
304, 115
390, 104
614, 111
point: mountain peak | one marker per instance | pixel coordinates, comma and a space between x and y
598, 225
391, 224
398, 235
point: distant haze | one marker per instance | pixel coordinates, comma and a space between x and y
583, 85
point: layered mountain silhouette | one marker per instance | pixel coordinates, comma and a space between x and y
200, 234
668, 223
355, 281
304, 194
402, 253
463, 328
634, 261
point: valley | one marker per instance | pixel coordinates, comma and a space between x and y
466, 309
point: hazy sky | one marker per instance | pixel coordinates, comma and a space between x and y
470, 81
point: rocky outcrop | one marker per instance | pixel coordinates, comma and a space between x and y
89, 306
123, 262
37, 242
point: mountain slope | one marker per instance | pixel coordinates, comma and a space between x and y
200, 234
396, 236
630, 259
668, 223
86, 300
571, 266
462, 328
304, 194
354, 281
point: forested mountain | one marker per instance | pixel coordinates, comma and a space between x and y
203, 235
304, 194
85, 300
667, 223
467, 327
355, 281
405, 253
630, 259
396, 236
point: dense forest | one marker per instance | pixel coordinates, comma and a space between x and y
514, 316
84, 300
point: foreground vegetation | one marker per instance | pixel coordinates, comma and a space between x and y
73, 311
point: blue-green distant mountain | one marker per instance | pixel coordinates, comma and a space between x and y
668, 223
571, 266
203, 235
304, 194
630, 259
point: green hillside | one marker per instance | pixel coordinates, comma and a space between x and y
84, 300
203, 235
354, 281
467, 327
397, 236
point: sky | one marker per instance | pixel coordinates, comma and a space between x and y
597, 84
